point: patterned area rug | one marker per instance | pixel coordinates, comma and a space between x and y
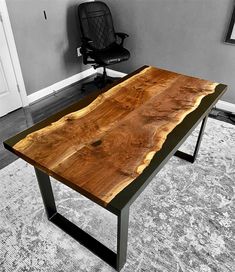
183, 221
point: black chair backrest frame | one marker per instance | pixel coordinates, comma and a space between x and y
96, 24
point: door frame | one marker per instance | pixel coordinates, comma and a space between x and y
13, 52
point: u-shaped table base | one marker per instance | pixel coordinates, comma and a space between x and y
116, 260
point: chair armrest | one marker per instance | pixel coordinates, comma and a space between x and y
86, 48
87, 43
121, 35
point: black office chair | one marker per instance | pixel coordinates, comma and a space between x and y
101, 45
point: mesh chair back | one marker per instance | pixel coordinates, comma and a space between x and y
96, 24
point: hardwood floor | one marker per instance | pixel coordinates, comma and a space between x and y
23, 118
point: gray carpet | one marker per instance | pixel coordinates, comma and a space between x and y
183, 221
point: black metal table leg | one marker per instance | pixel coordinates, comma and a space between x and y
122, 237
47, 193
188, 157
115, 260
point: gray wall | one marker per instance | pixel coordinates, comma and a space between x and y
181, 35
46, 48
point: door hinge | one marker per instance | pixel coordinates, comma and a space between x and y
18, 88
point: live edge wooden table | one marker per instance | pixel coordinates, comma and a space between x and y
110, 145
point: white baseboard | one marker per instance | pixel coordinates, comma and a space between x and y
68, 81
59, 85
226, 106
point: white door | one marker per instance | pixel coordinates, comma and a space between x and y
9, 95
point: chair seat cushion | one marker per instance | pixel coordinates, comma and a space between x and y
111, 55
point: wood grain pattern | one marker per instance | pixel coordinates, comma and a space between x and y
106, 145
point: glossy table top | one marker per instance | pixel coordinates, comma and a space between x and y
102, 149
